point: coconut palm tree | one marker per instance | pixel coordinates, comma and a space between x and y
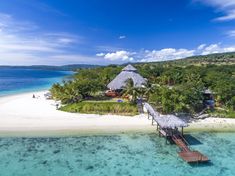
71, 94
131, 91
148, 89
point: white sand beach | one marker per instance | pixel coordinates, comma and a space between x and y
212, 124
23, 114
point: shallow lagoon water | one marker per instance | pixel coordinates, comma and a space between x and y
123, 154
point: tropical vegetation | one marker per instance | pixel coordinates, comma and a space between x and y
175, 86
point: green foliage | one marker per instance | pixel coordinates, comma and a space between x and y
231, 103
184, 97
100, 107
168, 100
175, 86
85, 84
223, 113
130, 90
67, 93
192, 90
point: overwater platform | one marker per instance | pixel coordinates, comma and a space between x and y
193, 156
167, 126
186, 153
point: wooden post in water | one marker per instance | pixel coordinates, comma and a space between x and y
182, 131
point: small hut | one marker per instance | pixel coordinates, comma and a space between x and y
120, 81
209, 100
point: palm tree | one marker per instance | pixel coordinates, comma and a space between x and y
71, 94
130, 90
148, 89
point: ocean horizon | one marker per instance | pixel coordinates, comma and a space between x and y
16, 80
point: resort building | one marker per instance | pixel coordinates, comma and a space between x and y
129, 72
120, 81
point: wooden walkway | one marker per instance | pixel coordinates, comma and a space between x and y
185, 153
167, 126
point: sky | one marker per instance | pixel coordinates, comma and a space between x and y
49, 32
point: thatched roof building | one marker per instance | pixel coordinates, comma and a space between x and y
165, 121
129, 72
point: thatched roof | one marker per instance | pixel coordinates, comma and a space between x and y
207, 91
129, 72
165, 121
129, 67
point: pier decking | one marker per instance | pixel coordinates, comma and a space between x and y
186, 153
167, 126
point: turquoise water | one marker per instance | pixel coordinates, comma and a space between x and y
124, 154
13, 81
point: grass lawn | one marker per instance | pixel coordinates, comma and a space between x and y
102, 107
109, 100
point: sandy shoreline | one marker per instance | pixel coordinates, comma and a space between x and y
23, 115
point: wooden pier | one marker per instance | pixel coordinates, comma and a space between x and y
167, 126
186, 153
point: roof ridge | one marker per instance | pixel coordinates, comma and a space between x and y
129, 67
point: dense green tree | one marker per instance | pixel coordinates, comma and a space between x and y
175, 86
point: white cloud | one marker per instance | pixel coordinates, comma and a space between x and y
219, 3
12, 25
202, 46
231, 33
217, 48
147, 56
65, 40
118, 55
22, 43
229, 16
211, 49
165, 54
122, 37
225, 6
100, 54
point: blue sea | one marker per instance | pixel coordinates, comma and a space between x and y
114, 155
14, 81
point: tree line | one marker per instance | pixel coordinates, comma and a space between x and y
171, 87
